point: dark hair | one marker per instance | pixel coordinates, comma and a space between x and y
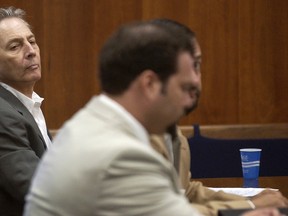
167, 23
138, 47
172, 24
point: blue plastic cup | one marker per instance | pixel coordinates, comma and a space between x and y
250, 159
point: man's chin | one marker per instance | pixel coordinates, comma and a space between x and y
34, 77
190, 109
31, 80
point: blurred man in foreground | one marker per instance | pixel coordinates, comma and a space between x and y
101, 162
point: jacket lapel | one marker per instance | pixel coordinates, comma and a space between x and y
20, 108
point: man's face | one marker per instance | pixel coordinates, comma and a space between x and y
19, 54
181, 91
197, 68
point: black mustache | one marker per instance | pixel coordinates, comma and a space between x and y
197, 92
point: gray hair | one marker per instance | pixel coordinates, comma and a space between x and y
11, 12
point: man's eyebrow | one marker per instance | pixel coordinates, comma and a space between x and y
31, 36
197, 57
15, 39
18, 39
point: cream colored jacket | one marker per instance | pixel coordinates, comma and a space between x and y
99, 166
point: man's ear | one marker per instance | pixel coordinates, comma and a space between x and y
150, 83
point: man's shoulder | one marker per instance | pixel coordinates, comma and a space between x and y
7, 110
4, 104
158, 143
9, 102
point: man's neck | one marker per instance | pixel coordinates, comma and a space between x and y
26, 89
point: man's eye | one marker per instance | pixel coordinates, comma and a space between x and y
14, 47
32, 42
186, 88
197, 66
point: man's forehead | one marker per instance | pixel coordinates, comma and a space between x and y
11, 22
184, 58
13, 28
197, 50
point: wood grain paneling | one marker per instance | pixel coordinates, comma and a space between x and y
69, 63
216, 26
244, 46
263, 61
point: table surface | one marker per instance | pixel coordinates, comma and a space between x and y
277, 182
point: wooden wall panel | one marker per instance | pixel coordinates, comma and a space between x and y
263, 59
69, 61
216, 26
244, 46
173, 9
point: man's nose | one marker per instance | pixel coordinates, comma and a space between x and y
197, 81
29, 50
189, 100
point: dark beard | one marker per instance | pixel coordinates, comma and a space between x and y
188, 110
172, 130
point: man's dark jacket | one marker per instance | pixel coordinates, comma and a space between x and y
21, 147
